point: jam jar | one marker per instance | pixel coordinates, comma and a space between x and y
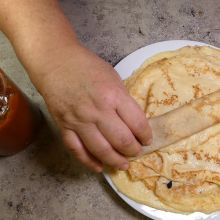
19, 119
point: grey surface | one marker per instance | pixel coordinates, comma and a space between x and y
44, 182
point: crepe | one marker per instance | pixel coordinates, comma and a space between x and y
183, 177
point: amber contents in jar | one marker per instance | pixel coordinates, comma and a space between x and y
19, 119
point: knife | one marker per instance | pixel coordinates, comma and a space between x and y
184, 121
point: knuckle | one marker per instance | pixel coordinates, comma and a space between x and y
107, 156
140, 126
75, 151
79, 156
126, 140
72, 145
85, 114
129, 146
67, 118
66, 139
109, 98
80, 112
103, 151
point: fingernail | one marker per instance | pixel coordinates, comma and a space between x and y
124, 166
99, 169
149, 142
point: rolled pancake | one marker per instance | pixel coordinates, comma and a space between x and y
185, 176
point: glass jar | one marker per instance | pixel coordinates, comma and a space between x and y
19, 118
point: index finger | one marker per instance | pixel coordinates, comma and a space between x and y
131, 113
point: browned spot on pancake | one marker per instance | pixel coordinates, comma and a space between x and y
208, 69
190, 176
186, 189
151, 114
215, 179
137, 171
215, 118
165, 93
200, 105
170, 101
164, 66
193, 71
197, 155
150, 182
149, 95
197, 71
197, 91
213, 159
175, 173
185, 156
168, 78
153, 160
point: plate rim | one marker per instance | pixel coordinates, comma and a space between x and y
120, 67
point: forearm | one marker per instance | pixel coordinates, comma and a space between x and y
39, 32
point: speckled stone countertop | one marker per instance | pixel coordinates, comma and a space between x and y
44, 182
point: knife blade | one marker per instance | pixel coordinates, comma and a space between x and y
184, 121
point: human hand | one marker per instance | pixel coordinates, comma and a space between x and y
100, 123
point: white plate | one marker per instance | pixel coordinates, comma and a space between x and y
125, 68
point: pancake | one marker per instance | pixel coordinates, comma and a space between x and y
185, 176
